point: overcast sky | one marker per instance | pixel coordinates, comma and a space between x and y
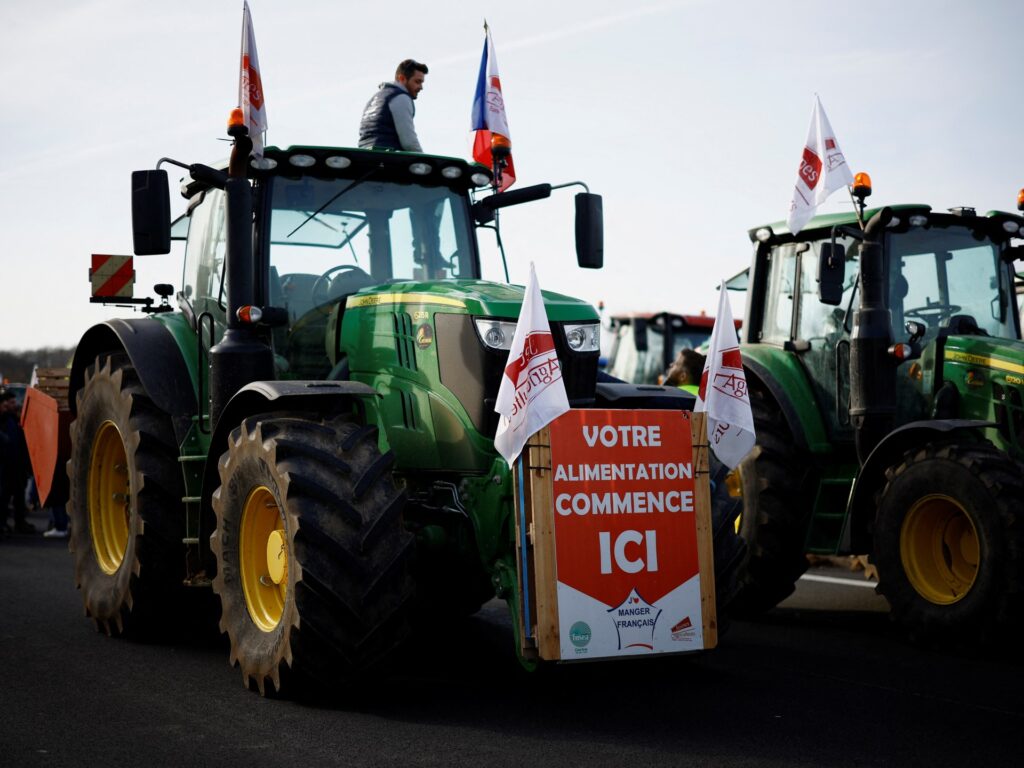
688, 116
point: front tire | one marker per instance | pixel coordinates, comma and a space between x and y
948, 544
774, 516
127, 523
313, 560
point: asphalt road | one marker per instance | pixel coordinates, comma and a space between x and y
822, 680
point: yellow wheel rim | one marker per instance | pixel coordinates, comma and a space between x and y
109, 499
263, 559
939, 549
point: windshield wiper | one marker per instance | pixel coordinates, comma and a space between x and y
321, 209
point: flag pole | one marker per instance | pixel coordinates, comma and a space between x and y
857, 208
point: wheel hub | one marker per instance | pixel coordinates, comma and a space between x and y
939, 549
263, 559
109, 499
277, 556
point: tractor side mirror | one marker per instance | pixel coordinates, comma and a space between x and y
151, 213
831, 273
589, 230
1016, 253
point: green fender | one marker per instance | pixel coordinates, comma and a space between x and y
162, 349
780, 373
871, 478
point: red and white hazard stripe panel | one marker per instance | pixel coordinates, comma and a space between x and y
112, 276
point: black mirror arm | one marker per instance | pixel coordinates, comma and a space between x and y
571, 184
204, 174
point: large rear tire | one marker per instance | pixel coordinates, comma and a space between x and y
774, 517
313, 560
126, 487
949, 544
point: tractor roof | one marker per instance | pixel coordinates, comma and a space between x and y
386, 165
352, 163
825, 222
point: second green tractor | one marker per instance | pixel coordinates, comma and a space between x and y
886, 376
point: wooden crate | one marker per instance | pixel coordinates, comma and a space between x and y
54, 382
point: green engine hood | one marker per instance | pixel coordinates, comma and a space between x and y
474, 297
1005, 356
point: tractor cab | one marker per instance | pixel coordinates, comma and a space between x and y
945, 274
644, 344
330, 223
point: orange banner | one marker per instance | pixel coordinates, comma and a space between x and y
625, 531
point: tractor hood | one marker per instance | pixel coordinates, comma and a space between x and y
1001, 356
474, 297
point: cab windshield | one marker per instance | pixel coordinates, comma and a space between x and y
331, 237
944, 271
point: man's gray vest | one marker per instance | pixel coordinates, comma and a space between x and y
377, 128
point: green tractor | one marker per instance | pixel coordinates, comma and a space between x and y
310, 432
886, 377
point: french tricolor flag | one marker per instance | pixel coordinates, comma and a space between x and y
488, 119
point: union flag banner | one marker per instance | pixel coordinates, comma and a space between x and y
723, 391
488, 118
822, 171
532, 393
250, 86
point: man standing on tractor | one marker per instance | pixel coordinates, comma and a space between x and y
388, 116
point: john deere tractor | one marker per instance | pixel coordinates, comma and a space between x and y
310, 432
886, 377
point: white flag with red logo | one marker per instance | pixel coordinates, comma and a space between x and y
823, 170
723, 392
532, 393
488, 116
250, 87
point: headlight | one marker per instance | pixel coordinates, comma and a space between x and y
496, 334
583, 337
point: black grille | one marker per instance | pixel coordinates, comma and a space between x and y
405, 340
472, 371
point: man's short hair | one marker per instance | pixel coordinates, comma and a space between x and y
688, 361
408, 67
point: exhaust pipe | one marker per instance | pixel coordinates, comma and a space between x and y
241, 356
872, 369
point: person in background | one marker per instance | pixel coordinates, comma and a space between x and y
14, 466
685, 371
388, 116
58, 514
